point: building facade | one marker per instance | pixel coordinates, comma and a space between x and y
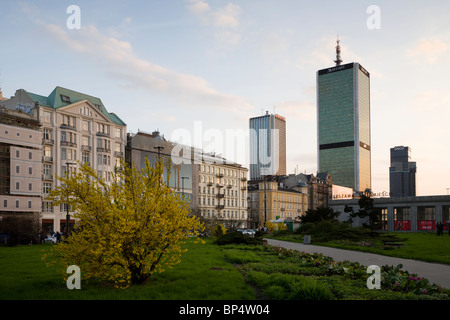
402, 173
222, 192
270, 200
403, 213
267, 146
215, 187
20, 172
343, 122
319, 187
75, 129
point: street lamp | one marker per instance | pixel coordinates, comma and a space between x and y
68, 164
182, 185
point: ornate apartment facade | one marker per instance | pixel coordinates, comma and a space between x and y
222, 192
75, 128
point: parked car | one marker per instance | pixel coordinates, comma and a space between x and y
50, 239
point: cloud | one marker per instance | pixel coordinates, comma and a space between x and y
222, 22
119, 61
428, 50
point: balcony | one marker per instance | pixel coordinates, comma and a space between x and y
229, 186
219, 175
48, 141
210, 184
68, 144
220, 195
118, 154
99, 149
220, 207
102, 134
66, 126
85, 148
219, 185
47, 159
244, 179
47, 177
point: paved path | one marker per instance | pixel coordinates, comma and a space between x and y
434, 272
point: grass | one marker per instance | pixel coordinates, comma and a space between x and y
203, 274
423, 246
212, 272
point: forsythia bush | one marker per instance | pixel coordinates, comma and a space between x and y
127, 229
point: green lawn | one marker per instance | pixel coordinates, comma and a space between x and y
424, 246
202, 274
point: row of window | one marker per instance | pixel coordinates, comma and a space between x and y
17, 203
18, 134
211, 202
225, 172
228, 192
86, 125
226, 214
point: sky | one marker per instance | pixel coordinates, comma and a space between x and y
197, 70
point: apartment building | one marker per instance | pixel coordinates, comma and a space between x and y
222, 192
20, 172
76, 128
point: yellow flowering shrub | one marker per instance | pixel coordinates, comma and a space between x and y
125, 230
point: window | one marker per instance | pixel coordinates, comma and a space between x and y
17, 169
17, 203
30, 170
103, 128
17, 154
47, 187
68, 121
30, 155
65, 98
47, 207
47, 169
85, 157
5, 203
48, 150
29, 204
17, 185
85, 125
118, 133
47, 116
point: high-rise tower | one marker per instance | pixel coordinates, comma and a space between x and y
402, 173
267, 146
343, 124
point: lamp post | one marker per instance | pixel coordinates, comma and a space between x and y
182, 185
68, 164
159, 148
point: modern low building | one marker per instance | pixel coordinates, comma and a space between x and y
75, 128
402, 213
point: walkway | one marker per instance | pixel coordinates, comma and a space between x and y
434, 272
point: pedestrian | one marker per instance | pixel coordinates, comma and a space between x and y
58, 236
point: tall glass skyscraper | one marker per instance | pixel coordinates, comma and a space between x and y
343, 124
267, 146
402, 173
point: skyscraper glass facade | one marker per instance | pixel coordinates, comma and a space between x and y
343, 115
267, 146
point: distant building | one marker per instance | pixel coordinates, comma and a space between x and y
270, 199
402, 173
267, 146
319, 187
215, 187
343, 121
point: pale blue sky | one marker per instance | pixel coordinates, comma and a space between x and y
185, 64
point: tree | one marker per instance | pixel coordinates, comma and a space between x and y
319, 214
367, 210
126, 230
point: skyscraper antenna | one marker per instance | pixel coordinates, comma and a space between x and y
338, 60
